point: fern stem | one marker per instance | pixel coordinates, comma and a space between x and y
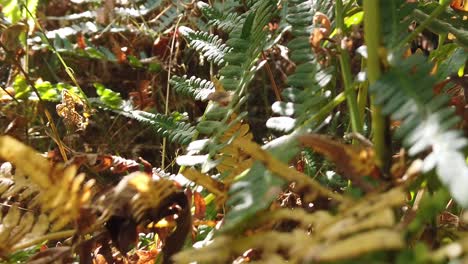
362, 96
166, 106
425, 23
51, 236
356, 121
325, 111
272, 79
379, 122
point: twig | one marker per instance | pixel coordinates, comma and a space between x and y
51, 236
166, 107
272, 79
283, 170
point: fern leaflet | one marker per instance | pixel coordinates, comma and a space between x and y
210, 46
427, 121
165, 126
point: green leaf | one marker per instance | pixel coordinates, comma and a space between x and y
108, 97
22, 89
134, 61
355, 19
47, 91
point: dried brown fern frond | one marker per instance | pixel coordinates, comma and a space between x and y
63, 193
231, 161
368, 226
61, 197
19, 227
234, 161
17, 186
21, 221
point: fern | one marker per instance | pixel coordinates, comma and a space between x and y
166, 19
197, 88
22, 222
210, 46
20, 227
319, 236
305, 99
123, 12
227, 22
65, 199
239, 57
142, 10
305, 96
62, 192
250, 195
427, 121
165, 126
396, 14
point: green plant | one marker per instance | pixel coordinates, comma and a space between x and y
188, 85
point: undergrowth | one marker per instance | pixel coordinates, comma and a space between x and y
266, 131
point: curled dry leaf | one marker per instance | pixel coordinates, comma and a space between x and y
459, 5
352, 161
10, 36
73, 110
321, 30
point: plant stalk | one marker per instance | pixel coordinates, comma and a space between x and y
372, 37
320, 116
356, 120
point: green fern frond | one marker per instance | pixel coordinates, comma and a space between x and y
305, 96
226, 22
250, 195
208, 45
405, 93
247, 43
165, 126
166, 20
397, 17
142, 10
195, 87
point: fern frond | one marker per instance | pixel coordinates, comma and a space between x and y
166, 20
405, 93
253, 193
247, 43
195, 87
232, 160
226, 22
165, 126
17, 187
397, 17
141, 10
305, 96
62, 192
19, 227
318, 236
208, 45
